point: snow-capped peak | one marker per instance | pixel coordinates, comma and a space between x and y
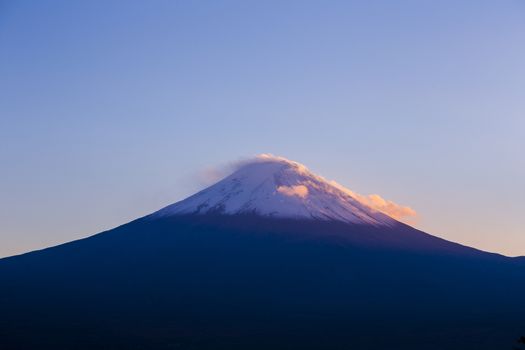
277, 187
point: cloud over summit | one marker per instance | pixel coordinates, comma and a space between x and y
397, 211
375, 201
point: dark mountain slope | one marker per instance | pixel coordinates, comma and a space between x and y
251, 282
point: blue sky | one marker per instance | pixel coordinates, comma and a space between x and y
110, 110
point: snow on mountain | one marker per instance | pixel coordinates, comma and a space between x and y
278, 187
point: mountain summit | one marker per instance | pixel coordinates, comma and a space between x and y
278, 187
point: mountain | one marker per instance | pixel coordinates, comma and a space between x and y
271, 257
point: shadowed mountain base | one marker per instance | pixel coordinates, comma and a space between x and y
248, 282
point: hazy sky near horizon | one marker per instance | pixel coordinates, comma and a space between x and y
110, 110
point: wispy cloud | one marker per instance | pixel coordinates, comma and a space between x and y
397, 211
375, 201
299, 190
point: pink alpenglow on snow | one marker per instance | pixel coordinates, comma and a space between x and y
298, 190
275, 186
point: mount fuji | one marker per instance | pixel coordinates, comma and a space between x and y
270, 257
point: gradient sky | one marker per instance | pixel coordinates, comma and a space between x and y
110, 110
